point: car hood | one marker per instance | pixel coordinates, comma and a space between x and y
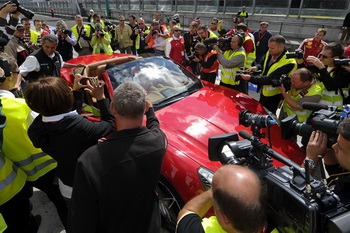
211, 111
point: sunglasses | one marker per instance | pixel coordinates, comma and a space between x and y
177, 30
140, 23
122, 20
213, 23
323, 56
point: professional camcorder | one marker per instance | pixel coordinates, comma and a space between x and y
297, 54
326, 119
27, 13
223, 43
342, 62
296, 201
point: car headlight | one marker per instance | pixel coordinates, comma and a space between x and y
206, 177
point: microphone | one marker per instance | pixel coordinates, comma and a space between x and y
244, 134
314, 106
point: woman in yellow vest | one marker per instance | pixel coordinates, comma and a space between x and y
21, 164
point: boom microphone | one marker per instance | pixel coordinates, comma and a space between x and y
314, 106
244, 134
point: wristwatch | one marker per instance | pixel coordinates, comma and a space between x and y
312, 164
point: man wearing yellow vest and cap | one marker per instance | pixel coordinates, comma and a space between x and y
236, 196
21, 165
273, 65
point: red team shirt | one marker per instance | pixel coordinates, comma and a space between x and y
311, 47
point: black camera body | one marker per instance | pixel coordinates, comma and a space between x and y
27, 13
223, 43
101, 33
154, 31
284, 79
193, 55
342, 62
296, 201
298, 54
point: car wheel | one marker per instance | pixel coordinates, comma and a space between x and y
173, 203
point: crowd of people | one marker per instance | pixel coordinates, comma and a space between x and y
77, 177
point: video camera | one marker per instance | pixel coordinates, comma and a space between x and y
326, 119
25, 12
296, 201
298, 54
342, 62
223, 43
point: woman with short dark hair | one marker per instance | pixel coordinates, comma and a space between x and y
59, 130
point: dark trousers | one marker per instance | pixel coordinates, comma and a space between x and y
209, 77
48, 185
17, 212
241, 87
271, 102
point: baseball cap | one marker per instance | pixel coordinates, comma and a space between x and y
154, 23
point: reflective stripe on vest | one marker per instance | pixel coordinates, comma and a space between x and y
250, 56
107, 49
332, 98
12, 179
138, 39
211, 225
17, 145
269, 90
302, 115
228, 76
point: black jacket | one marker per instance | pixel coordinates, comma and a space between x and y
68, 138
48, 66
112, 192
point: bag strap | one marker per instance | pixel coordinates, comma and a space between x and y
79, 34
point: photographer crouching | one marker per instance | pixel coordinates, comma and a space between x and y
209, 64
337, 161
304, 88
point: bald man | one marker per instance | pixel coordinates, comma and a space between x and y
236, 196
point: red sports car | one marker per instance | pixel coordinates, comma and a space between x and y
190, 111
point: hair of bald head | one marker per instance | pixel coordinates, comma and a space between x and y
239, 194
278, 39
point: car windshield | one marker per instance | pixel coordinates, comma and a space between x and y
163, 80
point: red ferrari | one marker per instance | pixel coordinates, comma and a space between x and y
190, 111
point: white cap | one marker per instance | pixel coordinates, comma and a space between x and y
91, 10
